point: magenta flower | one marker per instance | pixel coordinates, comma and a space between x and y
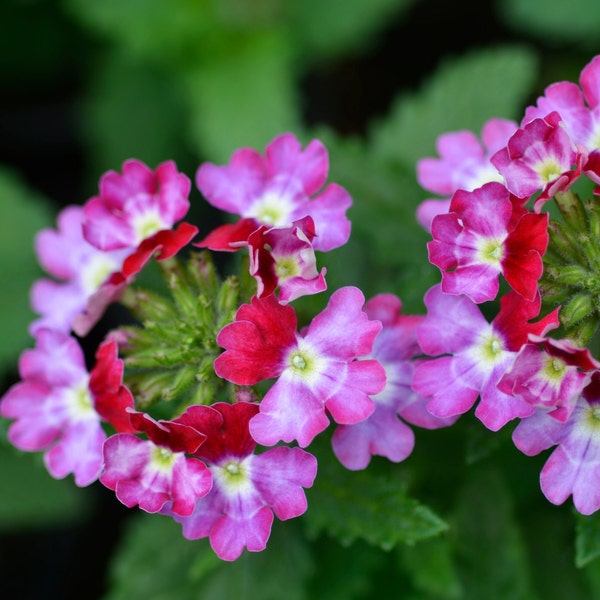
283, 257
539, 157
53, 409
247, 488
316, 371
135, 205
578, 106
550, 374
473, 355
485, 233
80, 269
152, 472
463, 164
275, 190
383, 433
574, 466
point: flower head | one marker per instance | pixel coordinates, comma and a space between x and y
275, 190
247, 488
315, 371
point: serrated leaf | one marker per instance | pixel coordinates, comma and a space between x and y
32, 499
23, 212
463, 93
554, 20
362, 505
243, 96
488, 544
330, 28
587, 538
155, 562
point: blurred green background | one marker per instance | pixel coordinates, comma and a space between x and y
85, 85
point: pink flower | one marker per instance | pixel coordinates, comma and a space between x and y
473, 355
550, 374
80, 268
463, 164
283, 257
275, 190
574, 466
383, 433
486, 233
539, 157
54, 410
247, 488
316, 371
578, 106
152, 472
135, 205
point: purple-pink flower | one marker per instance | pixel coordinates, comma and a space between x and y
247, 488
473, 355
539, 157
284, 258
316, 371
463, 164
573, 468
135, 205
275, 190
550, 374
384, 432
53, 408
485, 233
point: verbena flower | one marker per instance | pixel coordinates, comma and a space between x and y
540, 156
53, 408
473, 355
283, 258
486, 233
275, 190
247, 488
463, 164
384, 432
573, 468
316, 371
135, 205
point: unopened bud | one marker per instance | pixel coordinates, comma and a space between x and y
579, 307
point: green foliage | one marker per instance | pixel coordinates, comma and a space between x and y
326, 29
489, 551
242, 96
366, 505
23, 213
463, 93
32, 499
587, 541
155, 562
555, 20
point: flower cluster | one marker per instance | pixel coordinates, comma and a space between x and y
203, 405
174, 406
493, 240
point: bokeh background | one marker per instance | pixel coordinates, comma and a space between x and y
85, 85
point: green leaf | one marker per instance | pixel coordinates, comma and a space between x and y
155, 562
243, 96
490, 554
463, 93
587, 538
337, 26
32, 498
365, 505
554, 21
23, 213
429, 564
